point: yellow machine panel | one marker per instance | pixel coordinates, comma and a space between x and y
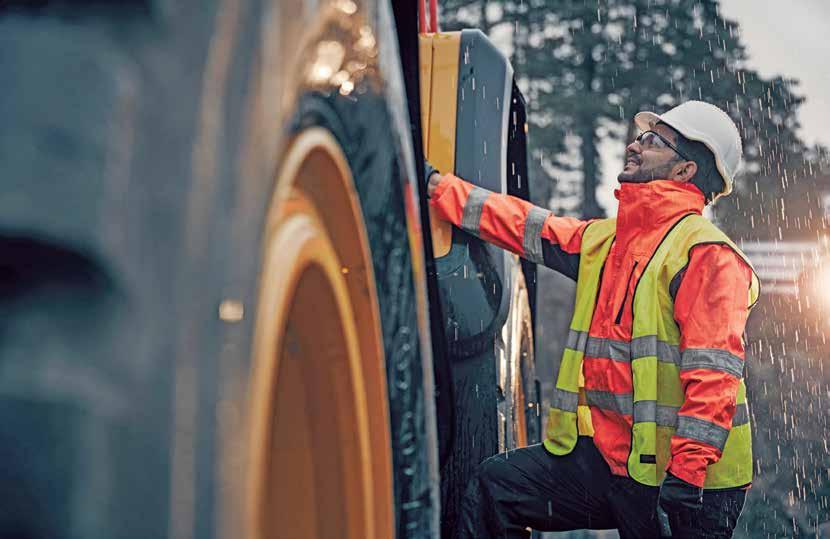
425, 58
443, 100
439, 90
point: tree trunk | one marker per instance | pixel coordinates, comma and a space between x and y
484, 24
635, 104
590, 170
588, 149
631, 132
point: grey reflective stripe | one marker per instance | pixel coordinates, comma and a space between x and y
577, 340
715, 359
668, 353
645, 411
532, 241
564, 400
667, 415
607, 349
702, 431
644, 346
649, 346
650, 411
621, 403
471, 219
741, 416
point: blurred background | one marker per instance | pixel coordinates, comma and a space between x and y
586, 67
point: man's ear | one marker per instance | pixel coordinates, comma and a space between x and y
684, 171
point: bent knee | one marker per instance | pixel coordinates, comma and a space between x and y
494, 470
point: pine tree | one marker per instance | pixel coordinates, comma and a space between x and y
588, 66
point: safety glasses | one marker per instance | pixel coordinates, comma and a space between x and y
652, 139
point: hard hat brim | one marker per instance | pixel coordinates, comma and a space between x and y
646, 120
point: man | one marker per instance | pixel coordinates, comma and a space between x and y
648, 430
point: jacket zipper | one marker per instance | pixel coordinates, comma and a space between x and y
625, 297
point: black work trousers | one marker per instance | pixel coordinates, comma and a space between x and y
531, 488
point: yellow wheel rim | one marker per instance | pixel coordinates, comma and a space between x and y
319, 446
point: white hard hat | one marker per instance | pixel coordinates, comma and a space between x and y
704, 123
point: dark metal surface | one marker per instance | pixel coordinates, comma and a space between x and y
475, 278
518, 179
474, 274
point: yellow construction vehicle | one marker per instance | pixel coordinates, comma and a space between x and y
224, 311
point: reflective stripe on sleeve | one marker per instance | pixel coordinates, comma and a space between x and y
471, 219
715, 359
702, 431
532, 240
577, 340
564, 400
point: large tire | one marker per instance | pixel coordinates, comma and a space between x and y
371, 476
146, 204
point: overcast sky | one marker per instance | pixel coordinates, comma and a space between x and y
782, 37
791, 38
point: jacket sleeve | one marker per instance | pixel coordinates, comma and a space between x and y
511, 223
711, 310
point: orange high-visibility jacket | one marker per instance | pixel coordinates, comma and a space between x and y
710, 299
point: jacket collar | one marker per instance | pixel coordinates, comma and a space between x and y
646, 207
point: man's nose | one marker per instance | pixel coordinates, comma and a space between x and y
634, 147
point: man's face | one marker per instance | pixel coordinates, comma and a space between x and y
644, 164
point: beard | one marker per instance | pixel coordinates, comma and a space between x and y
644, 175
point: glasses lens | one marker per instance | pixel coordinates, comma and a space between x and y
649, 139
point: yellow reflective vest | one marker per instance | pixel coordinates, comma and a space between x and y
655, 358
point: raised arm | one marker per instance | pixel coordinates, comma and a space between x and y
514, 224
